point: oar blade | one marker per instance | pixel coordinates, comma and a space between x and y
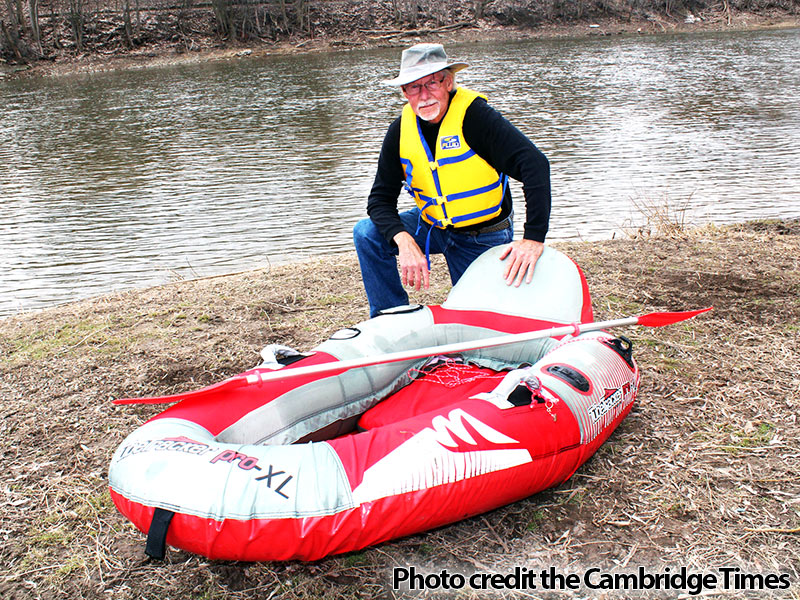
659, 319
153, 400
231, 383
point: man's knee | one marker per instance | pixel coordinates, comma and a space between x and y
363, 230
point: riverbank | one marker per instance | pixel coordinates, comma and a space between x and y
209, 49
702, 474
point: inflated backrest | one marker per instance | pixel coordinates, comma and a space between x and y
558, 292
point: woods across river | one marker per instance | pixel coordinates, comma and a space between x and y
36, 30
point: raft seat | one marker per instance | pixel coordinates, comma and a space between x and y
446, 384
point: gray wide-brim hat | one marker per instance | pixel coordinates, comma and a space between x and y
422, 60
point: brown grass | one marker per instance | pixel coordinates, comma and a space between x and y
704, 473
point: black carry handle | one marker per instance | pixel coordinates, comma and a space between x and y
157, 535
623, 347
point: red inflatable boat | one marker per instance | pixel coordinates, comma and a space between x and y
269, 466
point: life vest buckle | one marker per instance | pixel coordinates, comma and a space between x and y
433, 165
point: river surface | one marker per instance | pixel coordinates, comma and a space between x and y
118, 180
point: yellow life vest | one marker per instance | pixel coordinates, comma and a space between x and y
451, 185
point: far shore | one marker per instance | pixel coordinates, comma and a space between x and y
166, 55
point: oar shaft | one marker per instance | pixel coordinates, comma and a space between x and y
648, 320
454, 348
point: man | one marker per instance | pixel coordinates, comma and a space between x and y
453, 153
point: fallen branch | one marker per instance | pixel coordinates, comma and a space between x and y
379, 34
773, 530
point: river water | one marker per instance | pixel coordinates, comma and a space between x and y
129, 179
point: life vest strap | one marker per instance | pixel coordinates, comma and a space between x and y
475, 215
476, 191
429, 201
456, 159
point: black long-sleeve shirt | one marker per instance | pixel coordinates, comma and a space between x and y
495, 140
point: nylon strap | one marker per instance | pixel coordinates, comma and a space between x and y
157, 535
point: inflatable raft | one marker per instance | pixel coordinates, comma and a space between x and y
265, 466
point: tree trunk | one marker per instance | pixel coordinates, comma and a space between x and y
300, 8
14, 30
479, 8
126, 17
284, 16
19, 14
11, 36
222, 11
36, 32
76, 20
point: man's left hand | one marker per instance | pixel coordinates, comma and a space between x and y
522, 256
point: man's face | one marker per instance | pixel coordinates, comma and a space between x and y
429, 96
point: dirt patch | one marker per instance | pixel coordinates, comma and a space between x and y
705, 472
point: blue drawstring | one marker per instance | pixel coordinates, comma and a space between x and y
427, 239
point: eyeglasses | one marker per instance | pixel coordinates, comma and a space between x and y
414, 89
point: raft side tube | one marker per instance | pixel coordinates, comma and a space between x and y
176, 465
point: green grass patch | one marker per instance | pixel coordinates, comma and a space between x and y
96, 504
762, 435
755, 436
53, 537
73, 565
44, 344
535, 520
335, 299
356, 559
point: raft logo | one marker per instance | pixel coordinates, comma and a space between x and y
445, 427
283, 480
613, 399
174, 444
451, 142
248, 463
454, 448
243, 461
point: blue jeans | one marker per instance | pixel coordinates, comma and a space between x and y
378, 258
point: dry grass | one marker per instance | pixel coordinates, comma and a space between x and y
704, 473
662, 217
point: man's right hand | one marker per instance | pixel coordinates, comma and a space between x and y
413, 264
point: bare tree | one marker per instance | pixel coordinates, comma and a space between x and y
36, 32
223, 13
13, 29
479, 8
300, 9
126, 18
76, 20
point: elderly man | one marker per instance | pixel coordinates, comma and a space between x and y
453, 153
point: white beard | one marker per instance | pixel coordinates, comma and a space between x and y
429, 112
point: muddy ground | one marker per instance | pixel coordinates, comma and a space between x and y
703, 474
